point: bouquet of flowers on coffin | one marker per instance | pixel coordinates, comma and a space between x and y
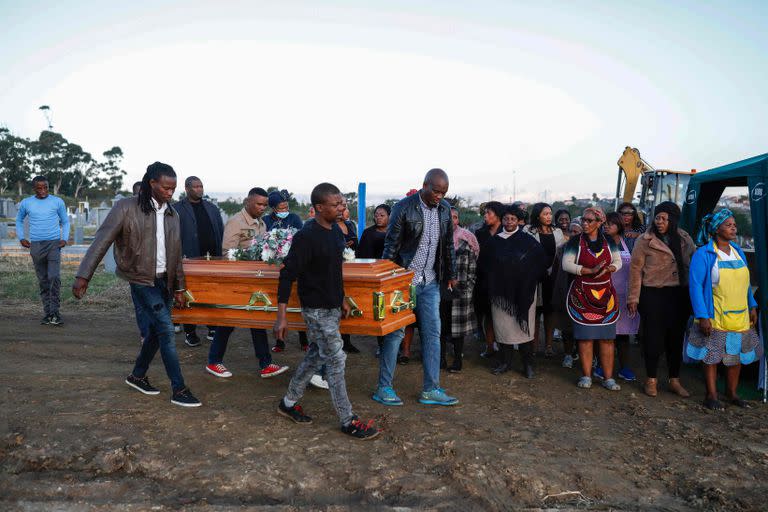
271, 247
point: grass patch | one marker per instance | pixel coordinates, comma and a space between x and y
18, 281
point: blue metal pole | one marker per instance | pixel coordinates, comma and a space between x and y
360, 209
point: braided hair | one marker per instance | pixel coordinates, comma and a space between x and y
154, 171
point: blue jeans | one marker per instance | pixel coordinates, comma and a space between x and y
219, 346
428, 318
153, 312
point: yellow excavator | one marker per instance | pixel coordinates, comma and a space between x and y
657, 185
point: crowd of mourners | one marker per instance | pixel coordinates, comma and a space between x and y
522, 278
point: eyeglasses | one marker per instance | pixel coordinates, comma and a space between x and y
585, 220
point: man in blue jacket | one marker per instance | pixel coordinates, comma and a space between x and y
48, 233
201, 232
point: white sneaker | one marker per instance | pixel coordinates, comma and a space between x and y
319, 382
568, 361
177, 328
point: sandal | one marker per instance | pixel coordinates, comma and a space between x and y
738, 402
610, 385
713, 404
585, 382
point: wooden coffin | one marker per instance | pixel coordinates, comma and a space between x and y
244, 294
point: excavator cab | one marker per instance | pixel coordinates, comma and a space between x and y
656, 185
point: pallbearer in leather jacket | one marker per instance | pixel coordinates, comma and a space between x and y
420, 238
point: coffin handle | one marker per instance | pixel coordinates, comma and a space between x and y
398, 304
356, 311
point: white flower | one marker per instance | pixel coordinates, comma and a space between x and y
349, 254
231, 254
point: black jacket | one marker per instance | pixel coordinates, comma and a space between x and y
189, 242
406, 224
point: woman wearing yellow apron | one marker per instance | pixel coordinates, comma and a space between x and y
723, 306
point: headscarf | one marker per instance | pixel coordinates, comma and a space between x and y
275, 198
596, 211
710, 223
460, 233
517, 264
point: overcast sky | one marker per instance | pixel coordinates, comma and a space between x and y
289, 93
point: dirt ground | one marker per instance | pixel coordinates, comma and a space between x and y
75, 437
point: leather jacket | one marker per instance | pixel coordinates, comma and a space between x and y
406, 224
133, 233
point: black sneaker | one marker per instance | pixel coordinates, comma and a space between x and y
142, 384
295, 413
185, 398
55, 319
360, 430
46, 320
210, 335
192, 339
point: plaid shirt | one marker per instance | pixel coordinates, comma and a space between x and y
423, 263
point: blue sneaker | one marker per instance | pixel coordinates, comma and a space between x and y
437, 397
597, 372
627, 374
387, 396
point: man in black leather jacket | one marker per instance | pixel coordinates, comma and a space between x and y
420, 238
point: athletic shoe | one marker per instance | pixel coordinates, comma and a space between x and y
598, 373
177, 328
627, 374
142, 384
305, 348
273, 370
584, 382
567, 361
611, 385
46, 320
295, 413
218, 370
319, 382
387, 396
192, 339
185, 398
360, 430
56, 320
279, 346
437, 397
210, 335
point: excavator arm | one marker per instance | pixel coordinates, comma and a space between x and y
633, 167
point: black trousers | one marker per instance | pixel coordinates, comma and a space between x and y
664, 314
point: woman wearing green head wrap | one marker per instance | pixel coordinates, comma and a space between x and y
723, 306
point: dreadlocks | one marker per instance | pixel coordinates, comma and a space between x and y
154, 171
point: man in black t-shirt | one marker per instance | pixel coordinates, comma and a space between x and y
201, 232
315, 260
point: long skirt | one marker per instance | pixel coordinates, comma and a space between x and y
506, 328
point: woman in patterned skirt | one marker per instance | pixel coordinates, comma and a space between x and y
592, 302
724, 308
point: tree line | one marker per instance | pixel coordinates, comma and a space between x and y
71, 171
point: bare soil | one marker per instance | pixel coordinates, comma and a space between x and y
75, 437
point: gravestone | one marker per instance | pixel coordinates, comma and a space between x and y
110, 265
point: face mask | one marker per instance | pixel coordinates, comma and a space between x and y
281, 215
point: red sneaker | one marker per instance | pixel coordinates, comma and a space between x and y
279, 346
218, 370
273, 370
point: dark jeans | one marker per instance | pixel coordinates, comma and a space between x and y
221, 338
46, 255
153, 309
664, 315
